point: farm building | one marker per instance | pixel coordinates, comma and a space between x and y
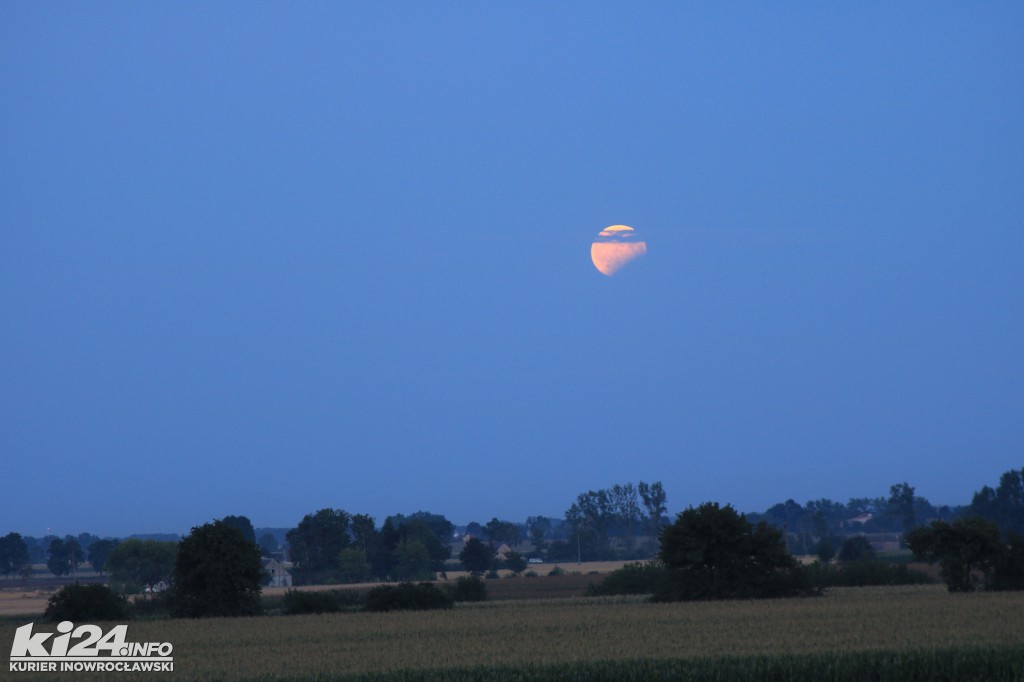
279, 575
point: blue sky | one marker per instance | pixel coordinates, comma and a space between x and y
265, 258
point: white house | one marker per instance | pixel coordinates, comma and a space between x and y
279, 575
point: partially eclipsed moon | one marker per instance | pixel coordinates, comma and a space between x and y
614, 247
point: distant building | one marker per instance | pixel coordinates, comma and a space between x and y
860, 519
279, 575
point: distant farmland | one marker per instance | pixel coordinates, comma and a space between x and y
579, 631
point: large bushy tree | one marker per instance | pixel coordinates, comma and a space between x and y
1005, 504
63, 556
99, 552
410, 562
317, 541
243, 524
968, 550
476, 556
136, 564
14, 556
217, 573
713, 552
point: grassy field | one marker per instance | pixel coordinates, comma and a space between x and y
576, 631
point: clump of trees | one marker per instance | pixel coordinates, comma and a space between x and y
864, 573
971, 554
713, 552
1003, 505
606, 523
333, 546
408, 597
635, 578
135, 565
63, 556
297, 602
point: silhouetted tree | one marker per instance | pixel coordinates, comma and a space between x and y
353, 566
217, 573
1005, 504
856, 548
268, 544
364, 532
14, 557
243, 524
99, 552
713, 552
475, 556
134, 564
538, 526
503, 531
515, 562
966, 546
901, 505
653, 497
59, 557
317, 541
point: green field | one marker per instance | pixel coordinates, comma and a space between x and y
614, 638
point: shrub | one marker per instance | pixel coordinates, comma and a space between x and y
324, 601
1009, 568
85, 603
557, 570
469, 588
856, 548
516, 562
638, 578
407, 597
864, 573
150, 607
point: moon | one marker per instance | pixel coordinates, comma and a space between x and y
615, 247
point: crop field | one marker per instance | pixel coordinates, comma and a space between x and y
23, 602
582, 632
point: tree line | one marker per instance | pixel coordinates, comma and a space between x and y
708, 552
622, 521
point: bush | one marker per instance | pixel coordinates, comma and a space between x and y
469, 588
864, 573
85, 603
150, 607
856, 548
407, 597
296, 602
557, 570
308, 576
638, 578
1009, 567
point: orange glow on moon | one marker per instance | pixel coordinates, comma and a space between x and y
614, 247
